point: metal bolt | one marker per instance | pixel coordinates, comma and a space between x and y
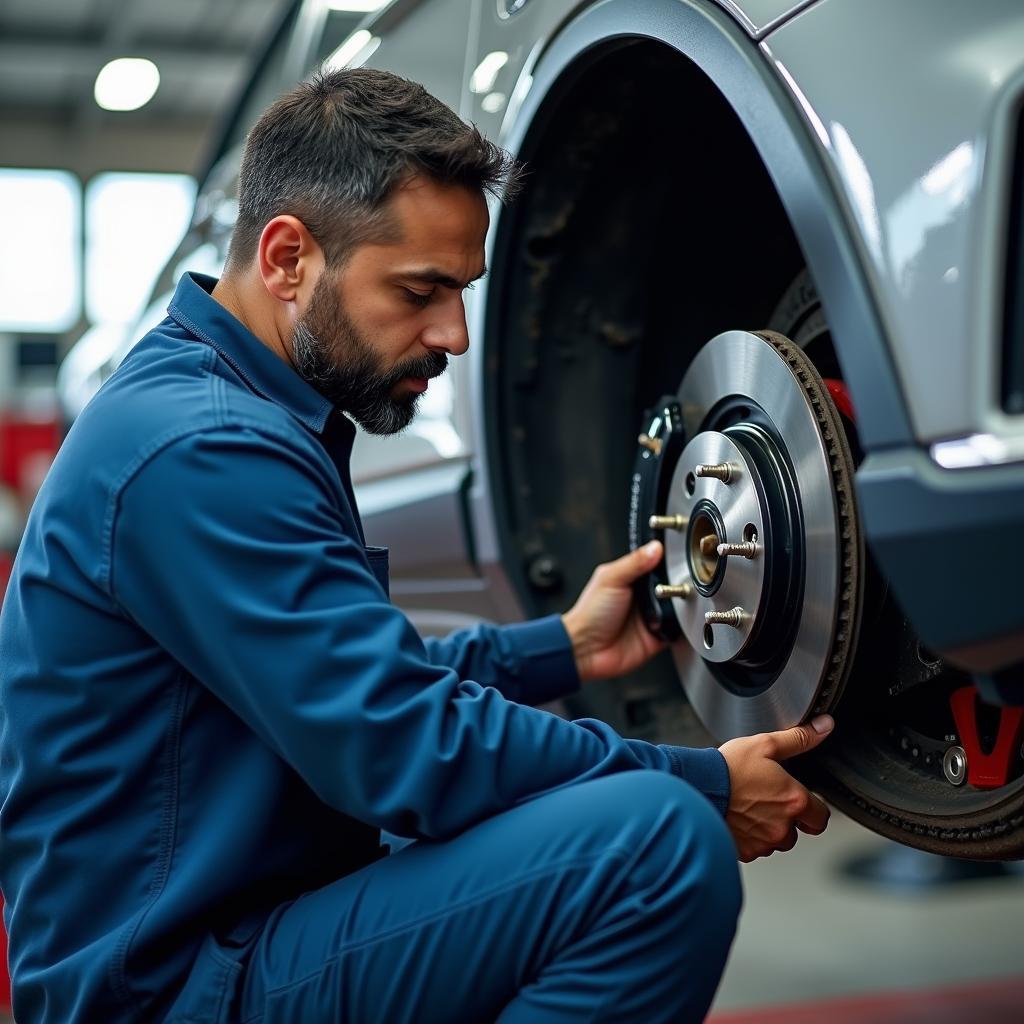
723, 471
747, 549
544, 573
682, 590
652, 444
954, 765
708, 545
733, 617
668, 522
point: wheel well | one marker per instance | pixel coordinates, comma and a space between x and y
648, 225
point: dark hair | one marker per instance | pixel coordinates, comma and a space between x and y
332, 150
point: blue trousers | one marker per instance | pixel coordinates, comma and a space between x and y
611, 900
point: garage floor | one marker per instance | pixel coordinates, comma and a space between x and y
816, 945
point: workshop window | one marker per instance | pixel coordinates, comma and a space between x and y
133, 223
40, 250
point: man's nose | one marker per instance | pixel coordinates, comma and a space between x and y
448, 333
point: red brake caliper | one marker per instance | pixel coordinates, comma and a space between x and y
984, 771
841, 396
991, 770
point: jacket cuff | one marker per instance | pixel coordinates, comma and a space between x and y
546, 665
705, 769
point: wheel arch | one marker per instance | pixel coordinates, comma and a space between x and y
731, 65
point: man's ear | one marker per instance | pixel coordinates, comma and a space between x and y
289, 259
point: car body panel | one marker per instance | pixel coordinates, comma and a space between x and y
927, 527
927, 214
425, 42
761, 16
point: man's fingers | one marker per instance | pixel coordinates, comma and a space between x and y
633, 565
801, 738
815, 818
788, 843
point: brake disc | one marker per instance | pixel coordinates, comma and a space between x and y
763, 553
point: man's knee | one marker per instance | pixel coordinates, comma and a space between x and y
688, 866
664, 817
682, 836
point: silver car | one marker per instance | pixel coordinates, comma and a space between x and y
762, 298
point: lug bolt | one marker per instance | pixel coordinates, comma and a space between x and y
682, 590
708, 545
652, 444
747, 549
733, 617
668, 522
723, 471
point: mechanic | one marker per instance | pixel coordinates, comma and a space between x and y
211, 709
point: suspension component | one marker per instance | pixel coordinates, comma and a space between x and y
991, 769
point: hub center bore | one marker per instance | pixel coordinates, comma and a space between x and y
704, 541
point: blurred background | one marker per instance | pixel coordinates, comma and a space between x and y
112, 114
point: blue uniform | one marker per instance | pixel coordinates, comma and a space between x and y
210, 710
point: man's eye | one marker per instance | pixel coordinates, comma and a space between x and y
417, 298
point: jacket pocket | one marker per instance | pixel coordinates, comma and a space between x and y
211, 992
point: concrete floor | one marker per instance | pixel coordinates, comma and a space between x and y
809, 932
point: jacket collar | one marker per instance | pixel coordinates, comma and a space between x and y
265, 373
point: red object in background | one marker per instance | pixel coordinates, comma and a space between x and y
27, 446
22, 442
993, 1001
6, 564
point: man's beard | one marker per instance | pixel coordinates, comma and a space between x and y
332, 356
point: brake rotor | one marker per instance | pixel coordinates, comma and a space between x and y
766, 552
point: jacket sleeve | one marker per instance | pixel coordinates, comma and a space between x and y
229, 550
528, 662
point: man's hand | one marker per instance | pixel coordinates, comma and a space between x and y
767, 804
608, 635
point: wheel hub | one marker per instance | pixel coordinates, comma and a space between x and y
763, 560
717, 513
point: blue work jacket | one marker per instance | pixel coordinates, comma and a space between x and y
209, 705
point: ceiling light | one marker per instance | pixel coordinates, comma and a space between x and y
356, 6
354, 52
126, 83
493, 102
487, 70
